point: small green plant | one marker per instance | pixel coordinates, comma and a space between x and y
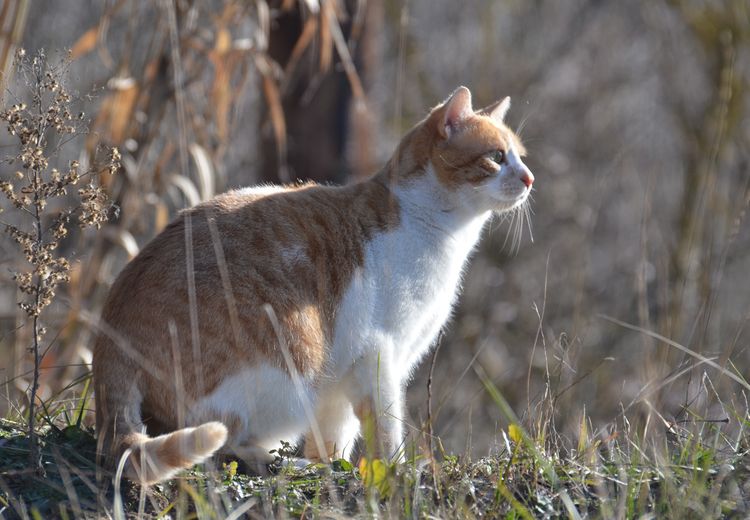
285, 453
229, 471
38, 193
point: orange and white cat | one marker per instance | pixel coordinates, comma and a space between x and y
282, 312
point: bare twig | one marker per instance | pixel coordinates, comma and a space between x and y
430, 435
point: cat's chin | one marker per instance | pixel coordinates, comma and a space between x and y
505, 205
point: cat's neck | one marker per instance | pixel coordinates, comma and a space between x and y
425, 206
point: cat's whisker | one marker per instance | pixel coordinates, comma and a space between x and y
522, 125
527, 211
511, 215
518, 230
495, 221
447, 163
517, 225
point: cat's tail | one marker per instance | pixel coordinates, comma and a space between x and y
153, 459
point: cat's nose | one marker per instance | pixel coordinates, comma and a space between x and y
527, 178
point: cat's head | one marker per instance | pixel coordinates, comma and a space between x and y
475, 159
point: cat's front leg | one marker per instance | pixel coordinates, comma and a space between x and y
335, 430
379, 406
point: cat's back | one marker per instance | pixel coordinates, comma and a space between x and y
162, 263
292, 248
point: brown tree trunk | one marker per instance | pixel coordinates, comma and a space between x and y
323, 131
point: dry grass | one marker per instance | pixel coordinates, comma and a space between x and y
694, 470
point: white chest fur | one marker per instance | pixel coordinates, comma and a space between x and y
400, 299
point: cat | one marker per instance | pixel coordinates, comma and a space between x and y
280, 312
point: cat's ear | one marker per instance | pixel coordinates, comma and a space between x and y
456, 110
498, 113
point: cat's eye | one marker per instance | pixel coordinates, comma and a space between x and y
498, 156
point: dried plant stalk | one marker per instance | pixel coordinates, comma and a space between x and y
12, 21
41, 128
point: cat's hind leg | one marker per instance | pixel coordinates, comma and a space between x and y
337, 426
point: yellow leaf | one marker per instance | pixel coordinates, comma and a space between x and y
161, 218
375, 475
85, 43
115, 115
223, 41
515, 433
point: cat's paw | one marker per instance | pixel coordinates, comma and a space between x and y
298, 463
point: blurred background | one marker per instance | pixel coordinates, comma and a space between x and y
635, 115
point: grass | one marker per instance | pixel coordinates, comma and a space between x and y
695, 469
